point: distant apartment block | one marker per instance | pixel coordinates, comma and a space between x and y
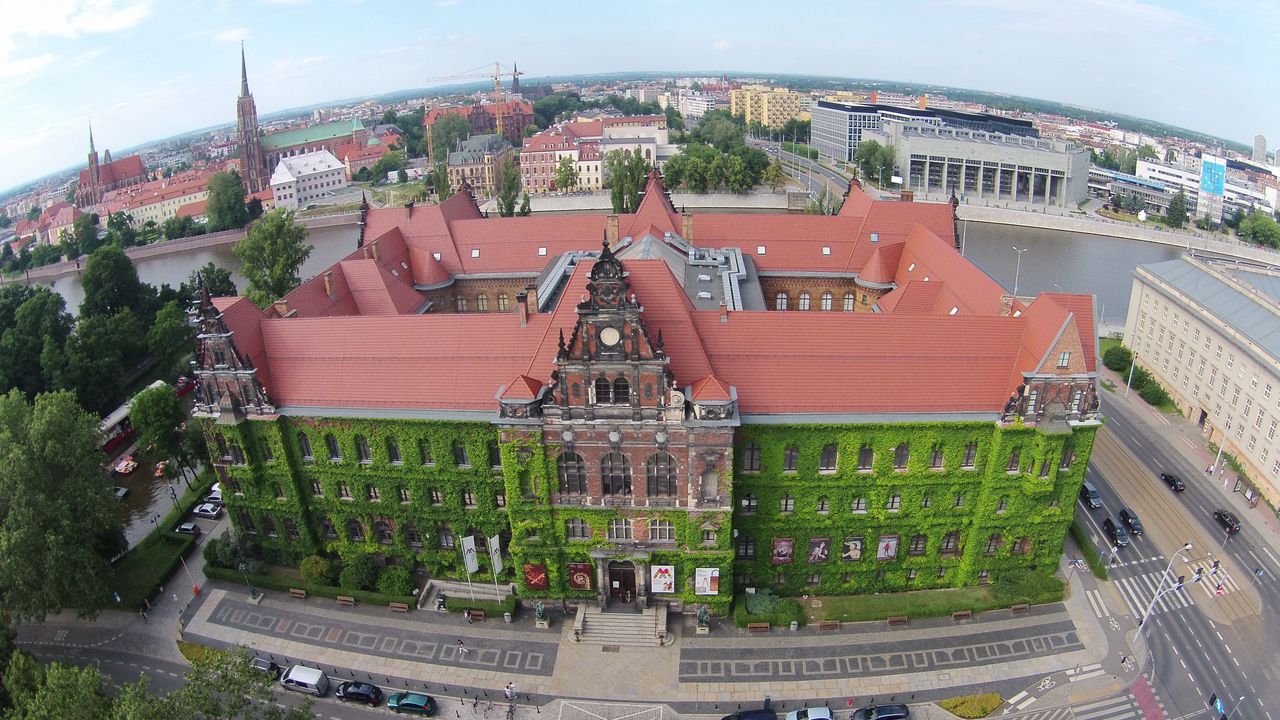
1238, 194
303, 179
769, 106
586, 143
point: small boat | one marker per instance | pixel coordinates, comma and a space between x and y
160, 466
120, 492
126, 465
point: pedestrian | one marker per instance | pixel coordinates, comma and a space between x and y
467, 614
146, 603
462, 649
144, 615
510, 692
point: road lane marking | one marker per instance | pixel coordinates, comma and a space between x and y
1188, 442
1228, 647
1026, 703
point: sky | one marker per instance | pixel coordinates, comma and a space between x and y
141, 70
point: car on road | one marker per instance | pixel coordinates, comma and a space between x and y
1131, 521
412, 703
263, 665
359, 692
881, 712
813, 713
188, 528
1090, 496
1116, 532
1173, 481
1227, 520
758, 714
208, 510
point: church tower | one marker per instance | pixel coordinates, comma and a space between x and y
253, 165
92, 193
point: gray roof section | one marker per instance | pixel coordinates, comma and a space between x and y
1265, 282
476, 147
1245, 312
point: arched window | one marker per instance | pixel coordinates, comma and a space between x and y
825, 302
461, 304
482, 303
901, 455
355, 531
572, 473
660, 470
382, 531
780, 301
827, 462
848, 302
331, 443
804, 301
604, 391
615, 474
502, 302
621, 392
411, 535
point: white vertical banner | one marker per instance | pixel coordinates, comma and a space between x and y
469, 554
495, 554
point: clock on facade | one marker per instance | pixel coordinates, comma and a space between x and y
610, 336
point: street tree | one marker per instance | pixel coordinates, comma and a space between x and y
774, 176
875, 161
445, 134
525, 210
625, 172
717, 173
169, 330
695, 175
566, 174
59, 525
272, 253
508, 187
224, 206
111, 284
737, 179
1176, 214
389, 163
157, 415
62, 692
1259, 228
222, 686
217, 280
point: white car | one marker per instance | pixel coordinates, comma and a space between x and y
813, 713
208, 510
213, 497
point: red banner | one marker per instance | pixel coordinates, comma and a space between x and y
580, 575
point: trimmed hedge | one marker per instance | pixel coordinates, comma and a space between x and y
1027, 586
273, 582
779, 612
1091, 555
458, 603
971, 707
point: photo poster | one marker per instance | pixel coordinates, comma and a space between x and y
706, 581
580, 576
783, 551
819, 549
887, 547
662, 578
535, 576
852, 550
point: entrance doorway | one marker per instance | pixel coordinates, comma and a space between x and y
1203, 417
622, 581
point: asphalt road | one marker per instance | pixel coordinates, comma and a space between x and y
1202, 642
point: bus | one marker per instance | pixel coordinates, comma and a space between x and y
117, 430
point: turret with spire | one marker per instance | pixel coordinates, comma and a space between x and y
244, 74
253, 162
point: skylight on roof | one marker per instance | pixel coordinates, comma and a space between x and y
954, 309
475, 252
436, 256
826, 249
542, 251
875, 237
704, 295
926, 278
759, 249
704, 278
911, 267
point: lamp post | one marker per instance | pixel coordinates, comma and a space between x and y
1018, 268
1160, 591
244, 570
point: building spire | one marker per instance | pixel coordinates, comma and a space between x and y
244, 74
91, 148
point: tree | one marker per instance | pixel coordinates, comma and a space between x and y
254, 208
737, 178
364, 174
224, 206
180, 226
157, 415
96, 356
566, 174
33, 214
625, 173
388, 117
222, 686
1117, 358
402, 177
317, 570
120, 230
1176, 214
874, 161
674, 120
774, 176
169, 330
440, 178
84, 229
695, 175
1147, 152
360, 573
508, 187
41, 318
63, 692
149, 233
217, 280
445, 134
525, 210
1258, 228
272, 253
389, 163
59, 525
111, 284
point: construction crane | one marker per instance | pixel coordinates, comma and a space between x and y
498, 73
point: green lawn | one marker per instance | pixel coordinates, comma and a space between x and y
145, 567
922, 603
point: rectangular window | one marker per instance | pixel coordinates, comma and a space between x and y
500, 499
662, 531
1014, 457
316, 490
993, 544
619, 530
468, 498
827, 463
331, 443
950, 543
495, 455
859, 505
374, 493
970, 455
751, 458
577, 529
895, 502
344, 491
959, 501
460, 456
746, 548
268, 454
790, 459
393, 452
404, 495
304, 446
436, 499
1003, 504
935, 458
917, 545
444, 537
865, 457
424, 453
1064, 359
708, 537
362, 449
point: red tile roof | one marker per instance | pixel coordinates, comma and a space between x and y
882, 266
522, 387
709, 388
126, 168
192, 209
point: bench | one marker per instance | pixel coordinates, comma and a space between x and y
959, 615
828, 624
297, 593
398, 607
758, 627
476, 614
897, 620
346, 600
1020, 608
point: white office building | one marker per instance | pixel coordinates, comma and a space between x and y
305, 179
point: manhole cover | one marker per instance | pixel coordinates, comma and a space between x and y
610, 648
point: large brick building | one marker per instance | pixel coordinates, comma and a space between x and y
637, 422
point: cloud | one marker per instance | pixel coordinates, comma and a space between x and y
68, 19
11, 68
236, 34
721, 45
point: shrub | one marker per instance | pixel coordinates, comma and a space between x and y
972, 706
1154, 394
285, 583
1141, 378
395, 580
361, 573
763, 606
317, 570
1117, 358
1027, 586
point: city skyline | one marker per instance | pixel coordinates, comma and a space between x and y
155, 71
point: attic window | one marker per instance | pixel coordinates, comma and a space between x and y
395, 273
926, 278
1017, 313
911, 267
404, 265
759, 249
875, 237
954, 310
475, 252
542, 251
436, 256
826, 249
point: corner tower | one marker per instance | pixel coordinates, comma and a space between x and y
253, 163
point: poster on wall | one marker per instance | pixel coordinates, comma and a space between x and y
535, 576
706, 581
819, 549
852, 550
887, 548
662, 578
580, 576
783, 551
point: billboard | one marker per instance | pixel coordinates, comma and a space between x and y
1213, 175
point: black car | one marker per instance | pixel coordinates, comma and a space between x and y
359, 692
1115, 532
1173, 481
1227, 520
761, 714
264, 665
1131, 521
882, 712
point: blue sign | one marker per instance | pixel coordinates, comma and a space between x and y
1213, 177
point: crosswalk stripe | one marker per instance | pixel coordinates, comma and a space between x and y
1121, 708
1138, 590
1095, 603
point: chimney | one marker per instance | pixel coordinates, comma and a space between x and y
376, 256
328, 283
688, 227
532, 292
611, 229
907, 196
282, 307
366, 252
522, 308
724, 312
1006, 305
408, 210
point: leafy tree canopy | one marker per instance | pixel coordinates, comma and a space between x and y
217, 280
445, 134
224, 207
272, 253
111, 284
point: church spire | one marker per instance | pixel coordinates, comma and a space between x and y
92, 151
244, 74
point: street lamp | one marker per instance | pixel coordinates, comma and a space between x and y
1018, 268
1161, 591
244, 570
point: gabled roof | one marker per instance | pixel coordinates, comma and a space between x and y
126, 168
522, 387
709, 388
313, 134
882, 266
655, 211
376, 291
244, 320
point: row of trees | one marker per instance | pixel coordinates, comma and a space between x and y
874, 161
794, 130
560, 105
1123, 160
715, 155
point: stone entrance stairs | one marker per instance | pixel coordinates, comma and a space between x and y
623, 629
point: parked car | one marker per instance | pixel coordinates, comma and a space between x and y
813, 713
1131, 521
359, 692
184, 386
213, 497
1116, 532
188, 528
760, 714
208, 510
1173, 481
881, 712
263, 665
1227, 520
412, 703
